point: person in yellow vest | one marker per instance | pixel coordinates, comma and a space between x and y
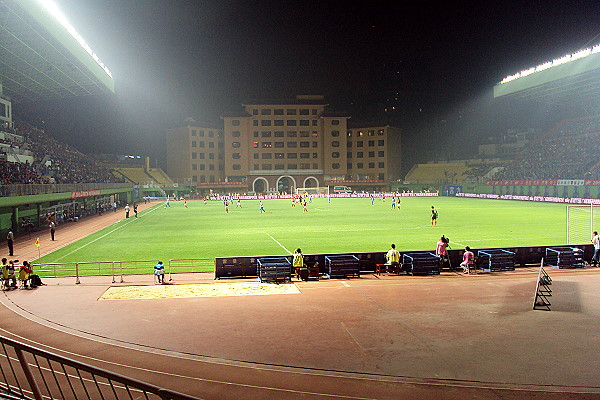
24, 274
298, 262
392, 258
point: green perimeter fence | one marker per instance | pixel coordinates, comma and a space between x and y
117, 269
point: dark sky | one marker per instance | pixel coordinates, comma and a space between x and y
173, 59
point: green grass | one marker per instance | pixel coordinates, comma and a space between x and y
344, 225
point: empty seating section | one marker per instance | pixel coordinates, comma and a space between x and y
136, 175
421, 263
565, 257
496, 260
439, 173
274, 269
343, 265
160, 176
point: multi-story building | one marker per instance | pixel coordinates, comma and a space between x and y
278, 146
195, 154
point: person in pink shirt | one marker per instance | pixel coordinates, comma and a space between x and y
441, 251
468, 260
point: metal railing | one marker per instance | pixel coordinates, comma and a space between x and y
30, 373
117, 269
31, 189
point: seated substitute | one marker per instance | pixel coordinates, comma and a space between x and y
24, 274
392, 258
468, 260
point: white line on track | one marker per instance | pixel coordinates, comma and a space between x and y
106, 234
276, 241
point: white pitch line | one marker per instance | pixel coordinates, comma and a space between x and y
276, 241
106, 234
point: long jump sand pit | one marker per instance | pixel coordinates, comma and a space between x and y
196, 290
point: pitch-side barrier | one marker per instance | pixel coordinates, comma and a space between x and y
118, 269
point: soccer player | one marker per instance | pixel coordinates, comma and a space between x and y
393, 203
238, 203
399, 203
227, 206
261, 209
372, 199
434, 216
185, 203
167, 203
304, 206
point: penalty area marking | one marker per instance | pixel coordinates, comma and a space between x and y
106, 234
276, 241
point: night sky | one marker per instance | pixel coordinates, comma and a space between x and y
173, 59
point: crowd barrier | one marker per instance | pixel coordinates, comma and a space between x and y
117, 269
30, 373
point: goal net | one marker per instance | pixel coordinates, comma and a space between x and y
580, 224
313, 191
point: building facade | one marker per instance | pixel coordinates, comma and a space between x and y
278, 146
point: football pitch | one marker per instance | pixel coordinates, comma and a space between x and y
343, 225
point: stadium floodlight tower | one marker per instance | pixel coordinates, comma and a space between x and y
44, 58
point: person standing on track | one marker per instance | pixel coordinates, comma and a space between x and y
10, 240
52, 227
127, 211
135, 209
596, 242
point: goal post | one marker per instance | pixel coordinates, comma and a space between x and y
313, 191
580, 223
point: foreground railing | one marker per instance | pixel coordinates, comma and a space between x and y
31, 373
31, 189
117, 269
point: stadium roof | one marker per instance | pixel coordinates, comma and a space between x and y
42, 57
572, 79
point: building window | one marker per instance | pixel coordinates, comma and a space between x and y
291, 111
235, 122
292, 134
235, 145
201, 133
380, 132
335, 165
255, 122
201, 167
278, 122
292, 155
304, 111
335, 154
194, 167
201, 156
381, 142
371, 165
193, 132
304, 155
371, 143
304, 122
235, 133
304, 144
304, 133
359, 143
291, 122
292, 166
279, 145
194, 155
335, 122
349, 154
201, 144
292, 144
211, 156
265, 111
381, 165
267, 145
371, 132
265, 122
267, 166
267, 156
236, 167
255, 156
335, 143
278, 111
236, 156
265, 134
359, 154
371, 154
279, 156
315, 155
359, 165
279, 134
349, 165
193, 143
335, 133
279, 166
